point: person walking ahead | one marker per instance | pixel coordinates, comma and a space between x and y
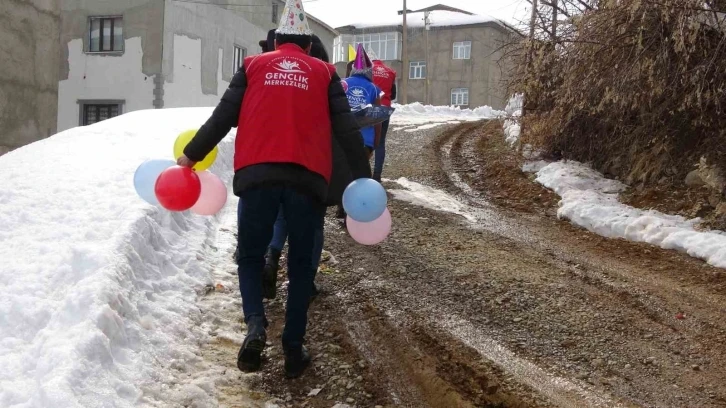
284, 104
384, 77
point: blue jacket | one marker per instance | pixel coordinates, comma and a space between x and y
361, 92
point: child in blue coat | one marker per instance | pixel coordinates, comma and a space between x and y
361, 91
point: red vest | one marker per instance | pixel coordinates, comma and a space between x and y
285, 116
384, 77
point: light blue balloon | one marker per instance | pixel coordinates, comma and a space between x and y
145, 178
365, 200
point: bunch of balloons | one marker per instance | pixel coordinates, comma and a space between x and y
175, 188
365, 202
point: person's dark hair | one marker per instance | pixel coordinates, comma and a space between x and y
302, 41
317, 50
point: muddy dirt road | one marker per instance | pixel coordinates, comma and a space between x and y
490, 301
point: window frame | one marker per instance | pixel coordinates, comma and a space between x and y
420, 68
235, 60
462, 93
84, 103
459, 47
112, 39
379, 42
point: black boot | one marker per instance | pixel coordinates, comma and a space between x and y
377, 177
296, 361
249, 358
269, 273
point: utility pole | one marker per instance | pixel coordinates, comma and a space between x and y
404, 51
426, 33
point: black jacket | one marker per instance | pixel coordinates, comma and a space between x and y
345, 132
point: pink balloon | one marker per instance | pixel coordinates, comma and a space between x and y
370, 233
213, 196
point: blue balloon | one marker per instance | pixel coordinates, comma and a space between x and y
365, 200
145, 178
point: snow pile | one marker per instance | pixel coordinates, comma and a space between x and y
425, 196
98, 288
591, 201
512, 131
415, 116
437, 18
512, 128
514, 106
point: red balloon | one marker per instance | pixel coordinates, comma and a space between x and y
178, 188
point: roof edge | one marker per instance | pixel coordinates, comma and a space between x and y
322, 23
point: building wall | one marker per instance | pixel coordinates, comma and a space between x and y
199, 42
482, 73
176, 54
129, 76
29, 80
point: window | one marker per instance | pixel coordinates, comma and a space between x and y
386, 45
417, 70
275, 13
106, 34
462, 50
97, 111
460, 96
239, 56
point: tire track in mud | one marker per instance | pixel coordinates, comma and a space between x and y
645, 285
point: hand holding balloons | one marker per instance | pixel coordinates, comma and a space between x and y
183, 140
181, 187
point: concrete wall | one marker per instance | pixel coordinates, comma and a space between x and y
176, 53
29, 75
482, 73
128, 76
199, 42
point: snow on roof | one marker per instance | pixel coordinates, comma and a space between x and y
438, 18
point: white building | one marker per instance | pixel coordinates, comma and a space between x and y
125, 55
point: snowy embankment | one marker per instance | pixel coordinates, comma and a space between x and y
415, 116
590, 200
98, 288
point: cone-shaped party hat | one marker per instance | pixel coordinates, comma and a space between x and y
362, 65
294, 21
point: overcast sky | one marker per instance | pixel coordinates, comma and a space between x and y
337, 13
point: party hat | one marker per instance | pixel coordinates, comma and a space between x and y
351, 53
294, 21
362, 65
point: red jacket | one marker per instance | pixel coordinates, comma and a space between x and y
384, 77
275, 124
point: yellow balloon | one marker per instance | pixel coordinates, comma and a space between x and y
183, 140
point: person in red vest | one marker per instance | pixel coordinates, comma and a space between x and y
286, 106
384, 77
